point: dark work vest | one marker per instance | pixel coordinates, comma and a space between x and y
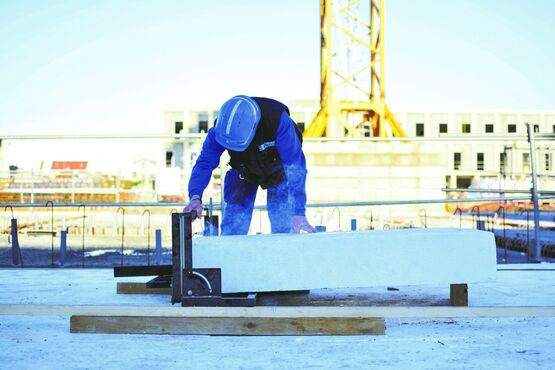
260, 164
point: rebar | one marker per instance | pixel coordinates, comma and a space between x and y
422, 213
83, 236
475, 221
148, 236
460, 217
321, 216
11, 208
51, 231
501, 208
122, 230
371, 217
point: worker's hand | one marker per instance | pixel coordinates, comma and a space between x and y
300, 223
195, 207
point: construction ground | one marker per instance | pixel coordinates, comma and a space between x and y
524, 342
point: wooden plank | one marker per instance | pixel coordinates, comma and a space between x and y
227, 325
285, 311
459, 294
348, 260
355, 300
139, 288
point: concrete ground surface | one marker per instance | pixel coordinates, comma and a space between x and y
44, 342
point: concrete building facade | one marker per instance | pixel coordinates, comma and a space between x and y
341, 171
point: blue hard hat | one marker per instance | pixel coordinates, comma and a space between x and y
237, 122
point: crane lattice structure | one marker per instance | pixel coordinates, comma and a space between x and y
352, 64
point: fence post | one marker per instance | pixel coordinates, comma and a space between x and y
63, 246
158, 250
16, 251
211, 225
535, 253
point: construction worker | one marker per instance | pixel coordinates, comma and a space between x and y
264, 145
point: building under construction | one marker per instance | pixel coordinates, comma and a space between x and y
433, 233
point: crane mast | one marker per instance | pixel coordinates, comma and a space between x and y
352, 66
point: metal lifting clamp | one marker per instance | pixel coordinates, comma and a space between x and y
197, 286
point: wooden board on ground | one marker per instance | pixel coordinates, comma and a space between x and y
140, 288
277, 262
275, 312
227, 325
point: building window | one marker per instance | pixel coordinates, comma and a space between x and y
526, 162
554, 129
489, 128
457, 161
548, 162
466, 128
511, 128
203, 122
178, 127
463, 182
443, 128
502, 161
536, 129
169, 157
419, 129
480, 161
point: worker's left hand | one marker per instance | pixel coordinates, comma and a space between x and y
300, 223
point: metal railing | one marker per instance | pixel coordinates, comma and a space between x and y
499, 191
217, 205
198, 136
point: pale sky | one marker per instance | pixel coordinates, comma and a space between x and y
115, 66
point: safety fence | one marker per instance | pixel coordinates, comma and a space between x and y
111, 234
79, 232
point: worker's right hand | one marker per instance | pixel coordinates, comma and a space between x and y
195, 208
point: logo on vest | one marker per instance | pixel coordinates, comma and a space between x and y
262, 147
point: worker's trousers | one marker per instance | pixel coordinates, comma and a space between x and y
240, 195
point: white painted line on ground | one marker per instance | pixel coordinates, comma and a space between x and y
297, 311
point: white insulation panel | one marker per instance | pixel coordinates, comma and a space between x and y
280, 262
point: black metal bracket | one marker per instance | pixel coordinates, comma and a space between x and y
126, 271
192, 286
164, 272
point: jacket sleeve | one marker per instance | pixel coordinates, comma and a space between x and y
207, 161
294, 163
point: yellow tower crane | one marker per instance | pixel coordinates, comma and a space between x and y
352, 64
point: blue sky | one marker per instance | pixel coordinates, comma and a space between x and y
115, 66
